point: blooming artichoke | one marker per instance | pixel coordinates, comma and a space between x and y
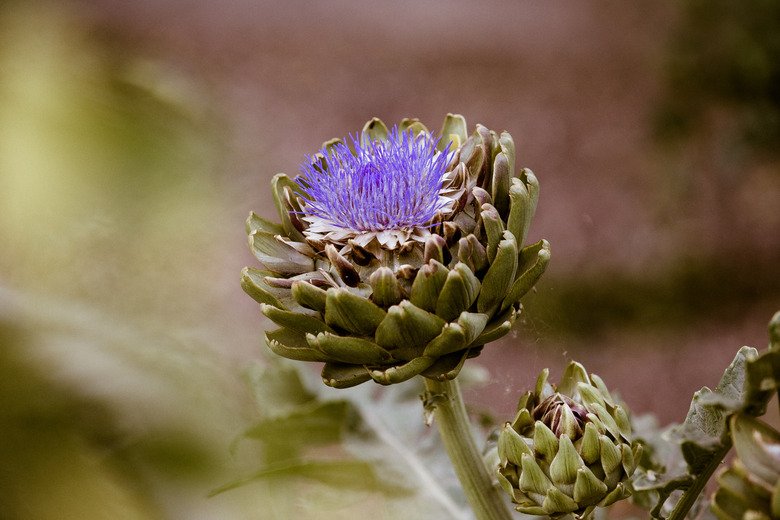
750, 489
397, 253
568, 449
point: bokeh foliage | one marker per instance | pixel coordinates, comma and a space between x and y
120, 387
724, 62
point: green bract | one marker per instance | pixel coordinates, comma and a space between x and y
750, 489
568, 449
418, 300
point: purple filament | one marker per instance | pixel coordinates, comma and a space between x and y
382, 185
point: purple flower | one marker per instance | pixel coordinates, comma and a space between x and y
383, 185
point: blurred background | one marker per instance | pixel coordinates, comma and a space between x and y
135, 137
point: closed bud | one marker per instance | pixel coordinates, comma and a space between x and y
577, 437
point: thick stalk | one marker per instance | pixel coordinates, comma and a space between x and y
449, 411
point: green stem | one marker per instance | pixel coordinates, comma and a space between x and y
692, 493
485, 498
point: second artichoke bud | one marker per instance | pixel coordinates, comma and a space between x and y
568, 449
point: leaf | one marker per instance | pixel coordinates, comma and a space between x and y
314, 424
277, 386
705, 437
394, 437
373, 441
342, 474
732, 383
746, 386
705, 431
762, 380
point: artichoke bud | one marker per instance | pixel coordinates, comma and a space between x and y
558, 456
561, 415
750, 488
400, 254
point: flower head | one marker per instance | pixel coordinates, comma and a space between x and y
400, 255
386, 185
568, 449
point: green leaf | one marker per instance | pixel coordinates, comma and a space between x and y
281, 189
545, 442
473, 324
754, 441
317, 423
499, 276
277, 384
447, 367
308, 295
774, 332
519, 200
428, 285
511, 446
351, 312
415, 127
255, 223
762, 380
292, 344
474, 154
732, 383
573, 373
559, 502
408, 326
342, 474
277, 256
705, 430
294, 320
387, 290
253, 283
500, 184
401, 373
348, 349
459, 291
494, 229
564, 466
588, 489
528, 278
590, 448
454, 129
508, 147
497, 328
532, 477
451, 339
472, 253
375, 129
339, 375
529, 179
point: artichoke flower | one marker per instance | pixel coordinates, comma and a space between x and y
398, 253
568, 449
750, 489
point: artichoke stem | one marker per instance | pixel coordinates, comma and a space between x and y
455, 430
688, 499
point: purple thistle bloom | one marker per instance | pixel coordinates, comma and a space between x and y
382, 185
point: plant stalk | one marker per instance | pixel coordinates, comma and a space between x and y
690, 495
485, 498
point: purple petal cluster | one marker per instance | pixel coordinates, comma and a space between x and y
380, 185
